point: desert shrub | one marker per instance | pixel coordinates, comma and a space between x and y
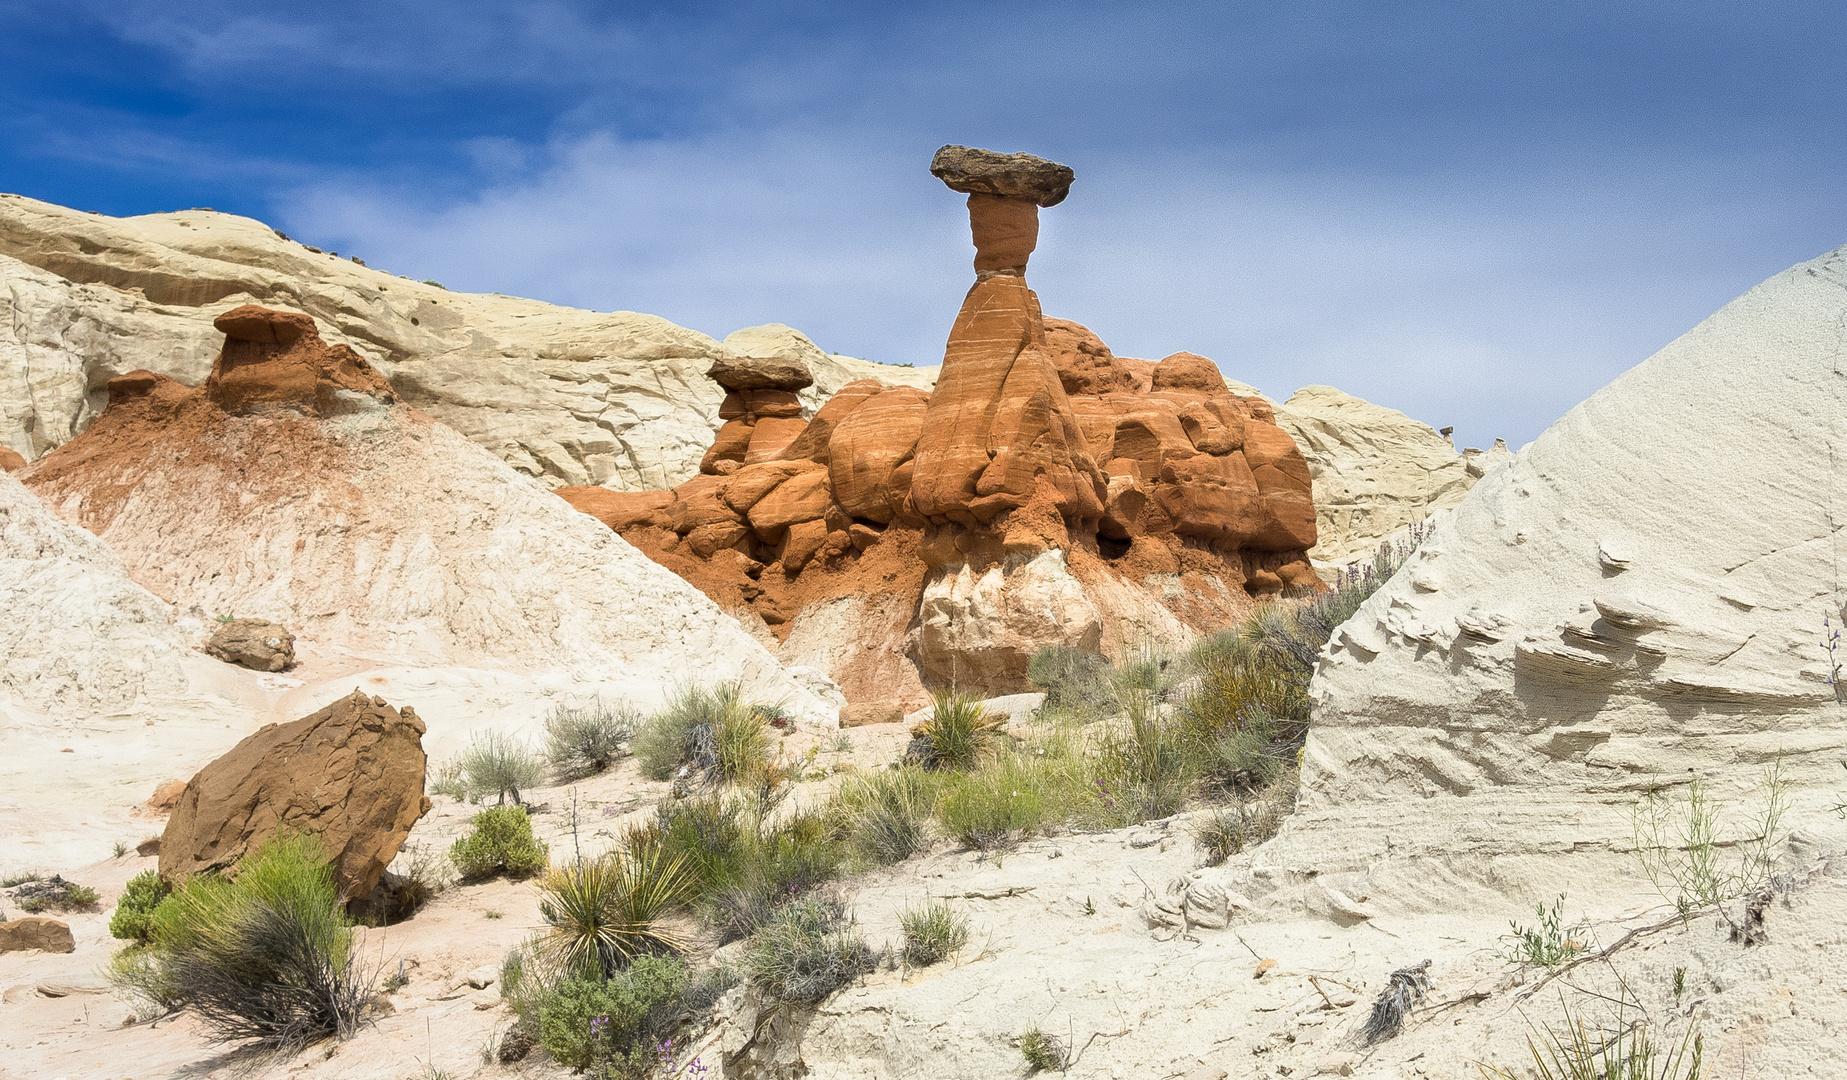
603, 914
1073, 680
932, 933
710, 731
447, 779
583, 740
745, 864
808, 951
54, 894
499, 765
500, 841
884, 818
1043, 1052
267, 956
134, 912
708, 831
1143, 770
959, 734
611, 1025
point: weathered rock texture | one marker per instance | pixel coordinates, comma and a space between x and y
1635, 600
257, 644
78, 636
36, 932
1375, 469
294, 486
1044, 492
567, 396
351, 774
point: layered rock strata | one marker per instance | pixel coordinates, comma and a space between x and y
1640, 598
295, 486
562, 395
1043, 492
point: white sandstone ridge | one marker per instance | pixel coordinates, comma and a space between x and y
1375, 470
78, 636
321, 502
1636, 599
565, 395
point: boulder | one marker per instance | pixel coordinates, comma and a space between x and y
166, 796
11, 459
351, 774
257, 644
36, 932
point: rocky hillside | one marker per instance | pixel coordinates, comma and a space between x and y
567, 396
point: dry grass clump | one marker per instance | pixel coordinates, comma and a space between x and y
708, 732
1043, 1052
884, 818
932, 933
809, 950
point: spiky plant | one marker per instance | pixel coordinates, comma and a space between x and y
603, 913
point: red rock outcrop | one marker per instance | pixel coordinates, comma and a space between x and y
1046, 491
351, 774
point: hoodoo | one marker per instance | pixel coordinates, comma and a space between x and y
1044, 492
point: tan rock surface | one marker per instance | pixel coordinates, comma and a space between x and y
257, 644
351, 775
36, 932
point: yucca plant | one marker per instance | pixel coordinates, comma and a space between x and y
603, 913
1581, 1052
959, 734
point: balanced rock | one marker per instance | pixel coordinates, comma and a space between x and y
1636, 600
350, 774
759, 373
36, 932
257, 644
1044, 492
1019, 176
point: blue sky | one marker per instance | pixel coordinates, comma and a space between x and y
1477, 213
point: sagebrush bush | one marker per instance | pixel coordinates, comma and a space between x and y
712, 731
932, 932
603, 914
808, 951
612, 1024
959, 735
134, 912
500, 841
501, 766
583, 740
266, 956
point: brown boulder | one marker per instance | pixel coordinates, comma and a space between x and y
759, 373
257, 644
985, 172
871, 712
36, 932
11, 459
351, 774
800, 498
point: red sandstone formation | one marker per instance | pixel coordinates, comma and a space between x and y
1154, 484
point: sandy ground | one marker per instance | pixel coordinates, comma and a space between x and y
1058, 941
